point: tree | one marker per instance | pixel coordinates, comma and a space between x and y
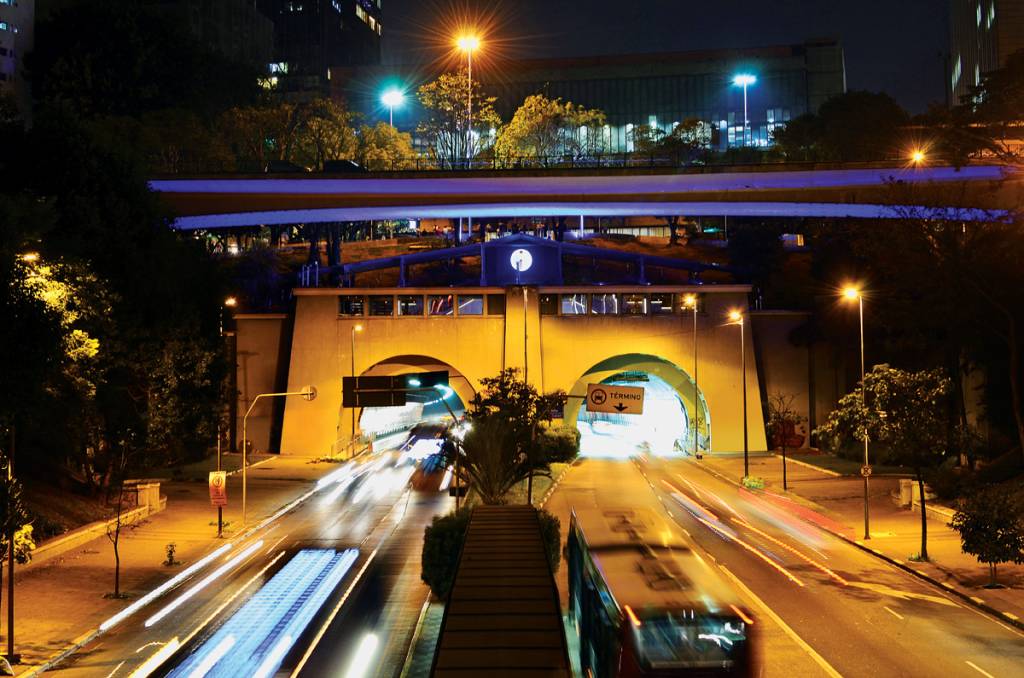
906, 413
446, 130
14, 520
991, 527
324, 132
800, 138
382, 147
688, 142
544, 130
782, 422
258, 135
490, 457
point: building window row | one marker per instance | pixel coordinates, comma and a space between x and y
418, 305
580, 304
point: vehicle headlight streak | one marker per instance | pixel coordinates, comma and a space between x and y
158, 658
364, 653
792, 550
215, 656
210, 578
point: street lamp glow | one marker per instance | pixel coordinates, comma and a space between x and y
918, 156
468, 43
392, 98
357, 328
231, 302
744, 80
851, 293
735, 316
30, 257
690, 301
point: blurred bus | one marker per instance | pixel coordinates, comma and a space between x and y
645, 604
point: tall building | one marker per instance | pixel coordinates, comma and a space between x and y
982, 33
17, 28
312, 37
235, 28
656, 90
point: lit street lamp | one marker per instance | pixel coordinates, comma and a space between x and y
745, 80
736, 318
690, 301
355, 328
230, 302
469, 44
851, 293
917, 156
393, 99
309, 393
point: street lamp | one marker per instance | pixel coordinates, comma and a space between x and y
690, 301
393, 99
309, 393
352, 355
736, 318
469, 44
745, 80
230, 302
852, 293
918, 156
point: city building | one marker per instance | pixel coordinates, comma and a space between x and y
234, 28
314, 37
657, 90
17, 28
982, 33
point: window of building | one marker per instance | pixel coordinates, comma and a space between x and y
350, 305
361, 13
381, 305
604, 304
574, 304
634, 304
495, 304
441, 304
471, 304
3, 26
548, 304
661, 304
410, 304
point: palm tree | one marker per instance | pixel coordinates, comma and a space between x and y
491, 459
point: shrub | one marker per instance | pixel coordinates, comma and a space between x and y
442, 543
753, 482
551, 534
558, 444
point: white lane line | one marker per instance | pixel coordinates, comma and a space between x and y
783, 625
893, 612
979, 669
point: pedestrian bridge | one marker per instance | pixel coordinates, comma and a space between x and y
977, 192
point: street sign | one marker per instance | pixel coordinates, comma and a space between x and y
218, 488
615, 399
865, 471
309, 393
391, 391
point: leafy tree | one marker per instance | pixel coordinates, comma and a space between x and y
688, 142
382, 147
259, 134
490, 458
324, 132
544, 130
167, 141
988, 118
446, 130
13, 521
991, 527
906, 412
800, 139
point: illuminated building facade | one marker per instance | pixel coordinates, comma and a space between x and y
17, 27
982, 34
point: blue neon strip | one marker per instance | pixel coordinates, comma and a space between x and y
278, 613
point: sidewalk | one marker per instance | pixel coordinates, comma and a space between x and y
60, 600
836, 503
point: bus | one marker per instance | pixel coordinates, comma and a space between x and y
644, 603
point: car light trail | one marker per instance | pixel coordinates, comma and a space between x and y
270, 622
210, 578
364, 653
215, 656
158, 658
446, 481
165, 587
792, 550
756, 552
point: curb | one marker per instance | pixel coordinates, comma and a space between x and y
416, 633
828, 472
973, 601
554, 485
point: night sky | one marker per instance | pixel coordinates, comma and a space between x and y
891, 45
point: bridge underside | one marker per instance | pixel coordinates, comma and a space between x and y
970, 193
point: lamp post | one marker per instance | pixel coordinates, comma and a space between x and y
392, 98
745, 80
690, 301
736, 318
352, 355
309, 393
852, 293
469, 44
230, 302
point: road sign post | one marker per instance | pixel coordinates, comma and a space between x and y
218, 488
615, 399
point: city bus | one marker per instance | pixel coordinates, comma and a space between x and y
644, 603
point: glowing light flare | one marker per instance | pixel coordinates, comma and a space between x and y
357, 328
30, 257
736, 317
792, 550
744, 79
231, 302
632, 616
851, 292
690, 301
393, 98
364, 654
917, 156
468, 43
210, 578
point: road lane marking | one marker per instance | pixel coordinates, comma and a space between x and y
893, 612
979, 669
979, 601
885, 590
810, 560
819, 660
1010, 615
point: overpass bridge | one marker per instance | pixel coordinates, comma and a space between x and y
977, 192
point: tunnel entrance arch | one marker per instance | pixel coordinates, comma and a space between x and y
674, 410
381, 421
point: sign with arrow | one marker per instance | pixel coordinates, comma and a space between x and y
615, 399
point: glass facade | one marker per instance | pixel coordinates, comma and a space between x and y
382, 305
471, 304
441, 304
409, 304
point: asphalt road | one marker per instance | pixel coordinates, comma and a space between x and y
366, 605
862, 616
